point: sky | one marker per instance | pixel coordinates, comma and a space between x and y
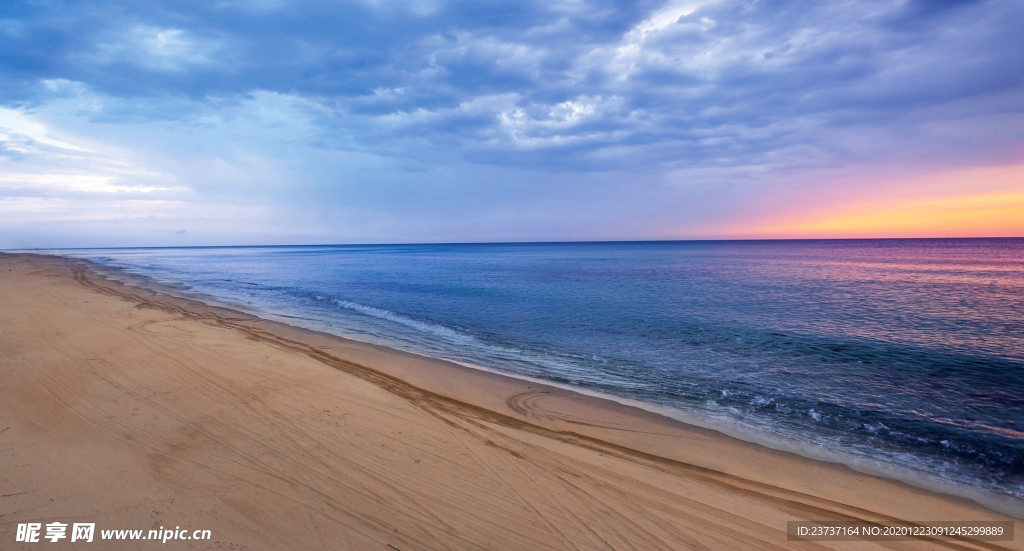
241, 122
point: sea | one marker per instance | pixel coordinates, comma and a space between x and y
899, 357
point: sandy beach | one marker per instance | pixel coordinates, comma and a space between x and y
132, 409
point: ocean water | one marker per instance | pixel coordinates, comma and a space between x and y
906, 355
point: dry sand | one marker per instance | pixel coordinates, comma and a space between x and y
136, 410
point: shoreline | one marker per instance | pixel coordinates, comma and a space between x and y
535, 416
1001, 503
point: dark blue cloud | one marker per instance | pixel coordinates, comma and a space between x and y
914, 14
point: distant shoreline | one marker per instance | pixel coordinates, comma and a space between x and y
470, 243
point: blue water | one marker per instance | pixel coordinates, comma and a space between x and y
905, 354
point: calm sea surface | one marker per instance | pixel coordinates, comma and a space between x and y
903, 354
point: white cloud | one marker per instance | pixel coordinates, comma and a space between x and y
165, 49
547, 125
80, 183
665, 18
21, 131
43, 161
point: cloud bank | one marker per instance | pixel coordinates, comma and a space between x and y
259, 121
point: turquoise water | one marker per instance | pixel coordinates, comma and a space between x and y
908, 354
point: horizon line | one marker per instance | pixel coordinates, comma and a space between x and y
581, 242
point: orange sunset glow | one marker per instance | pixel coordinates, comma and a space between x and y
981, 202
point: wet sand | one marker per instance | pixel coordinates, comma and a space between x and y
135, 410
